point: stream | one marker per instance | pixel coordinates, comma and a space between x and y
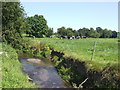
42, 73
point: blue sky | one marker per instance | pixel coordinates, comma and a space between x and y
76, 14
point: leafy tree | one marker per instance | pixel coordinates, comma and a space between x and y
83, 32
13, 22
105, 33
75, 32
80, 32
38, 26
69, 32
100, 31
65, 31
86, 31
114, 34
28, 29
92, 33
49, 32
62, 31
95, 34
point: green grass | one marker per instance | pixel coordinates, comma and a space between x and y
106, 51
12, 76
0, 66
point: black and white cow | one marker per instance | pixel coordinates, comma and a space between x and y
77, 37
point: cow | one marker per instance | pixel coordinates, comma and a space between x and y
59, 37
65, 37
69, 37
73, 37
50, 37
83, 37
77, 37
33, 37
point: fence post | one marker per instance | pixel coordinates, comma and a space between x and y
93, 50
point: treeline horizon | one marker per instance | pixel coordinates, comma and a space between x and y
92, 33
37, 26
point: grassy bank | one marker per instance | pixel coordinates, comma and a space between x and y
73, 69
106, 50
12, 76
76, 65
75, 72
0, 66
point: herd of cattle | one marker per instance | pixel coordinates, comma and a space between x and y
67, 37
71, 37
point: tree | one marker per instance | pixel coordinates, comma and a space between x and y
13, 22
49, 32
37, 26
83, 32
80, 32
100, 31
93, 33
62, 31
114, 34
75, 32
69, 32
65, 31
106, 33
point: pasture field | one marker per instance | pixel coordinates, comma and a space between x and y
106, 50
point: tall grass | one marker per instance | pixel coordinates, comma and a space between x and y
106, 50
12, 76
0, 66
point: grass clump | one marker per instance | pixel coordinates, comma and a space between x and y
0, 65
12, 76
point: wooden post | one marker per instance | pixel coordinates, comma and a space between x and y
93, 50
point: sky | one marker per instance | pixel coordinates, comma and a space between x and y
76, 14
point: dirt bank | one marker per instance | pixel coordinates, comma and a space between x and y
76, 72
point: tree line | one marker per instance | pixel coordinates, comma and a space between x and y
38, 27
91, 33
15, 22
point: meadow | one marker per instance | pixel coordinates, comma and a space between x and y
105, 54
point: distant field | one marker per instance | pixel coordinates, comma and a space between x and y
106, 50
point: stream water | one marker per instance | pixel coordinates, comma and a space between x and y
43, 74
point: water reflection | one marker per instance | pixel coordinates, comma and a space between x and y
42, 74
